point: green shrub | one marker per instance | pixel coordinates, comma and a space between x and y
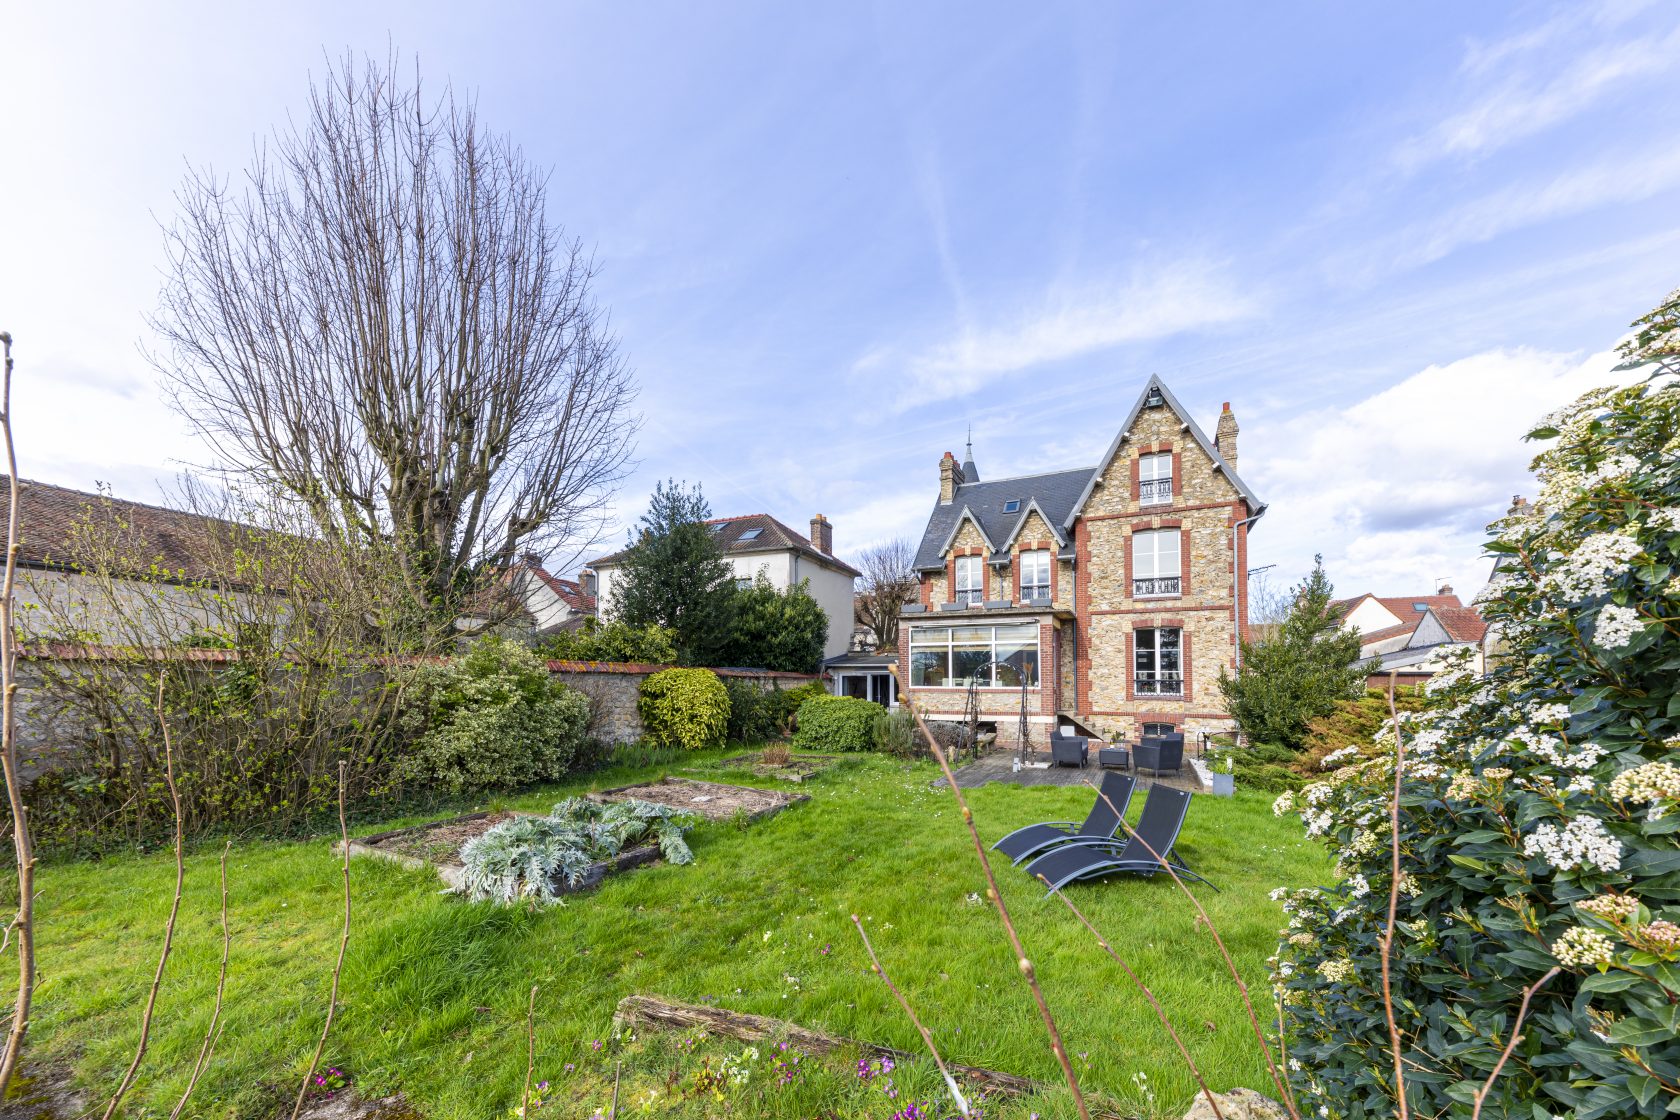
1537, 821
686, 708
837, 723
1352, 723
784, 703
531, 858
895, 733
751, 717
771, 629
1261, 766
493, 718
613, 641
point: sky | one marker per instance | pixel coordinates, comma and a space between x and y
835, 238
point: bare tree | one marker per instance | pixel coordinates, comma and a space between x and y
1268, 606
889, 582
384, 325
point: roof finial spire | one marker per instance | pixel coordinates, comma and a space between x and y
971, 473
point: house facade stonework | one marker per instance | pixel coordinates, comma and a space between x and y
1107, 598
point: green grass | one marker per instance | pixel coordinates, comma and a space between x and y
435, 989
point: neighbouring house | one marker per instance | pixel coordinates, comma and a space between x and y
1410, 636
553, 602
756, 544
1112, 593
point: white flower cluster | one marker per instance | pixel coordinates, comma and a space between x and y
1619, 908
1551, 748
1581, 947
1583, 842
1617, 626
1358, 887
1666, 520
1656, 784
1334, 757
1338, 971
1549, 715
1586, 572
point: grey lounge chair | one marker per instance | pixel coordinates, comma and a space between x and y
1163, 817
1102, 824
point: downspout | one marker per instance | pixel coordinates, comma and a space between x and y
1239, 573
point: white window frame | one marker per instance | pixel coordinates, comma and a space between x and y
969, 572
1148, 563
1153, 470
941, 638
1036, 561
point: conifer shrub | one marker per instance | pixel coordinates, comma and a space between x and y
686, 708
1538, 821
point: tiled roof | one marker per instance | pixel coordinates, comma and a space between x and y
1462, 624
735, 536
569, 590
1055, 494
1386, 633
48, 517
1406, 606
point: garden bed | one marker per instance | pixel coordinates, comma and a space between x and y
797, 768
438, 845
713, 800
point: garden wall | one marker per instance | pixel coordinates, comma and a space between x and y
612, 689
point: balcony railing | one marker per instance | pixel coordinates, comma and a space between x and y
1155, 492
1158, 684
970, 597
1157, 585
1031, 592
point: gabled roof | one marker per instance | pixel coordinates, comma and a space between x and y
1462, 624
569, 591
1031, 507
735, 536
956, 527
1207, 445
1053, 494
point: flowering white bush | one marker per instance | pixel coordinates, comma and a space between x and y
1536, 820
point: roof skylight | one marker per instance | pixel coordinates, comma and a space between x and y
750, 534
1013, 505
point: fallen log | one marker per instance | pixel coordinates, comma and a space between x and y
658, 1014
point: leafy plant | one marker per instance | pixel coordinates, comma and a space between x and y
752, 714
673, 575
612, 641
684, 708
837, 723
1538, 821
779, 630
1299, 673
531, 858
492, 718
784, 703
894, 733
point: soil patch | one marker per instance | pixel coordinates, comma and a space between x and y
712, 800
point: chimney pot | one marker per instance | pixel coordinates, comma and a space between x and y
822, 535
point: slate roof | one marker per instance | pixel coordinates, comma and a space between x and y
772, 536
1060, 494
1055, 494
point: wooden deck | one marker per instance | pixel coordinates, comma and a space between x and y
998, 766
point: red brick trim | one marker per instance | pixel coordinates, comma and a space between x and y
1162, 523
951, 578
1184, 660
1136, 480
1184, 562
1131, 666
1082, 614
1225, 607
1126, 547
1162, 717
1134, 515
927, 590
1015, 579
1178, 473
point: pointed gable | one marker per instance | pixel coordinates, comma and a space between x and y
1156, 394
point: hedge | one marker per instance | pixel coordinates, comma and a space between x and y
837, 723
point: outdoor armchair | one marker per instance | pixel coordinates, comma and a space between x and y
1102, 823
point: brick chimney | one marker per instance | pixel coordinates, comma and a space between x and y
1225, 437
950, 477
1444, 589
822, 535
586, 582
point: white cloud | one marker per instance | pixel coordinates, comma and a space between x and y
1179, 297
1524, 88
1397, 488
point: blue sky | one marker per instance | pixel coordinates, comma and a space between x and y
833, 237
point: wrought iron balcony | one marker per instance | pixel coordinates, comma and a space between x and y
1035, 592
971, 597
1155, 586
1155, 492
1158, 684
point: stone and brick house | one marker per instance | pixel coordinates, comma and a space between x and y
1115, 592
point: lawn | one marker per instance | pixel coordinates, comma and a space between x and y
435, 990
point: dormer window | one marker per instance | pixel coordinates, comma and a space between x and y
1013, 505
1155, 479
